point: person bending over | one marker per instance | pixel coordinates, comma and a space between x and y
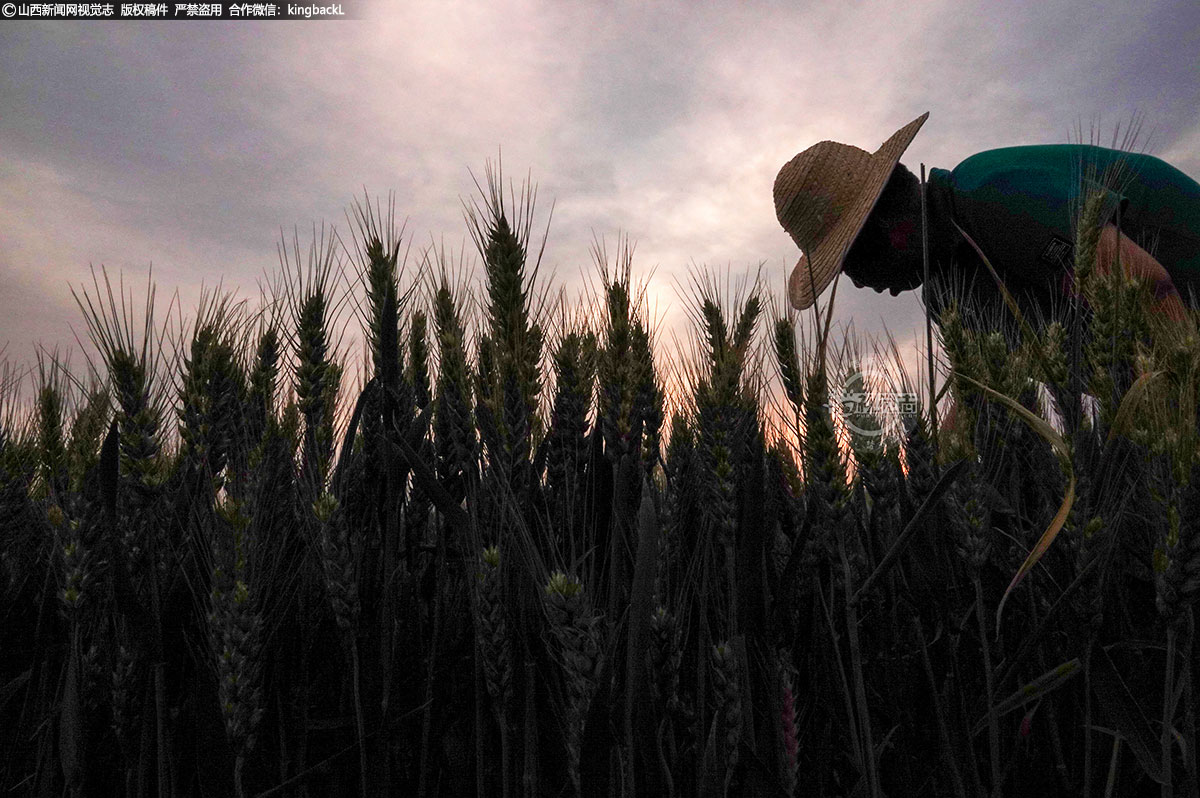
859, 212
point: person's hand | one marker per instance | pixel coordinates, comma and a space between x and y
1137, 262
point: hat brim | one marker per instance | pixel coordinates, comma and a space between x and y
816, 269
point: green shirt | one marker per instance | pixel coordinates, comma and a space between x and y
1019, 204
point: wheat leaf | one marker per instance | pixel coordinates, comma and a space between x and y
71, 735
1043, 428
1121, 709
1049, 681
425, 478
352, 430
641, 605
914, 524
9, 690
110, 454
712, 772
1124, 416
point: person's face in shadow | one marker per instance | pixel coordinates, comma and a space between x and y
886, 255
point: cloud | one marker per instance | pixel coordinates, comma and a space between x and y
192, 146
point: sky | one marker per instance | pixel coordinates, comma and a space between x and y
191, 148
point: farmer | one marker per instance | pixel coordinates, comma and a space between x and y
848, 209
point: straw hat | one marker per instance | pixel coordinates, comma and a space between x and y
822, 198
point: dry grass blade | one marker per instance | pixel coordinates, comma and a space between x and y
1042, 428
1124, 419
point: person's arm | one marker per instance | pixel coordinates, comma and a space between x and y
1136, 261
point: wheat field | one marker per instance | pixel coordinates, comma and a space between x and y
525, 551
